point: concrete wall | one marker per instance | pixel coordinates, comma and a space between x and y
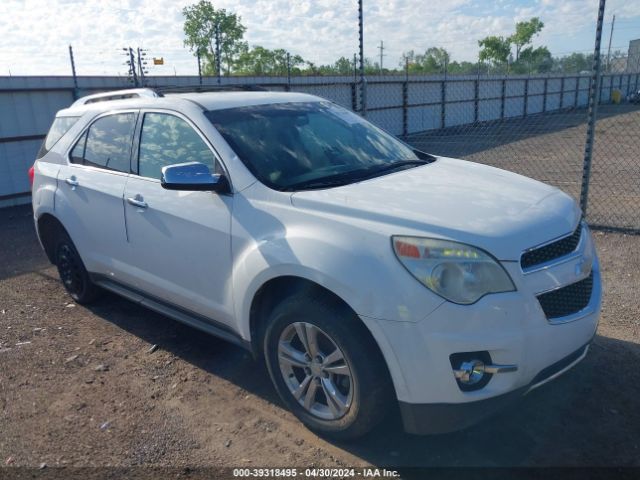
401, 106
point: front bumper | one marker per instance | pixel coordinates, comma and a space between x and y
436, 418
511, 328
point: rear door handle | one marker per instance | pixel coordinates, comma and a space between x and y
72, 181
137, 201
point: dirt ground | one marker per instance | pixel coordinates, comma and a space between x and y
81, 387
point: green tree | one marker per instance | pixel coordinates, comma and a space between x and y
263, 61
343, 66
200, 25
433, 60
574, 63
494, 49
462, 68
535, 60
525, 31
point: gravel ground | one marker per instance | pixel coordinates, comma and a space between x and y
551, 148
82, 387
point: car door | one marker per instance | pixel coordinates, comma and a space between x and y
179, 241
89, 196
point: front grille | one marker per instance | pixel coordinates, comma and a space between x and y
567, 300
549, 252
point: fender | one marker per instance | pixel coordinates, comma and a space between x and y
339, 256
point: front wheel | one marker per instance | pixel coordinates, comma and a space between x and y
326, 367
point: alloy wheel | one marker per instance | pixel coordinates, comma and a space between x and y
315, 370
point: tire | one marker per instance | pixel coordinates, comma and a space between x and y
349, 366
73, 274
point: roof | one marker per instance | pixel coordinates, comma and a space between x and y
222, 100
148, 98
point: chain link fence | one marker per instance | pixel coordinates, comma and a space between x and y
614, 183
532, 125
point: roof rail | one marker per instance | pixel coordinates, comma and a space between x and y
208, 88
116, 95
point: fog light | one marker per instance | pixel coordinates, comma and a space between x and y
470, 373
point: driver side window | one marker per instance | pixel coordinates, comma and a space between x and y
166, 140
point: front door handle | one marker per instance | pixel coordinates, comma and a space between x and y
137, 201
72, 181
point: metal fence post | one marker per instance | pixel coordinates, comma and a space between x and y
476, 100
526, 97
593, 110
544, 94
363, 83
576, 97
443, 102
288, 72
502, 95
610, 87
561, 92
199, 66
405, 108
354, 97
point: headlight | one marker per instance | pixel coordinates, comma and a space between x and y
460, 273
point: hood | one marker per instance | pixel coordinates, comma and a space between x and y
501, 212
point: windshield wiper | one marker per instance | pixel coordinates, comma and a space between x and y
377, 171
326, 182
353, 175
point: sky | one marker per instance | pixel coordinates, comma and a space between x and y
35, 34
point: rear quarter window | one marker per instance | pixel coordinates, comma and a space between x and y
59, 127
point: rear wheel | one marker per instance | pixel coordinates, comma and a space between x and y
73, 274
326, 367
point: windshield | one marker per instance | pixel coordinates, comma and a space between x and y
291, 146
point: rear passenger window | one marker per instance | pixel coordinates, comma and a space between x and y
107, 144
167, 140
59, 127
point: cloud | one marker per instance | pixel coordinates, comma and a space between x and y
36, 34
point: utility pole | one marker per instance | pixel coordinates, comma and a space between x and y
613, 22
381, 48
73, 71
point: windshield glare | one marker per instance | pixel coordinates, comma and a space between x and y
287, 144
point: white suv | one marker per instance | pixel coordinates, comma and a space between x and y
366, 273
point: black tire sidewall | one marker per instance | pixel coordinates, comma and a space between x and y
362, 357
87, 292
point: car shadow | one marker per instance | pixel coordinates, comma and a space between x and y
563, 421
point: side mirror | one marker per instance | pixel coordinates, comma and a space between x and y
193, 176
